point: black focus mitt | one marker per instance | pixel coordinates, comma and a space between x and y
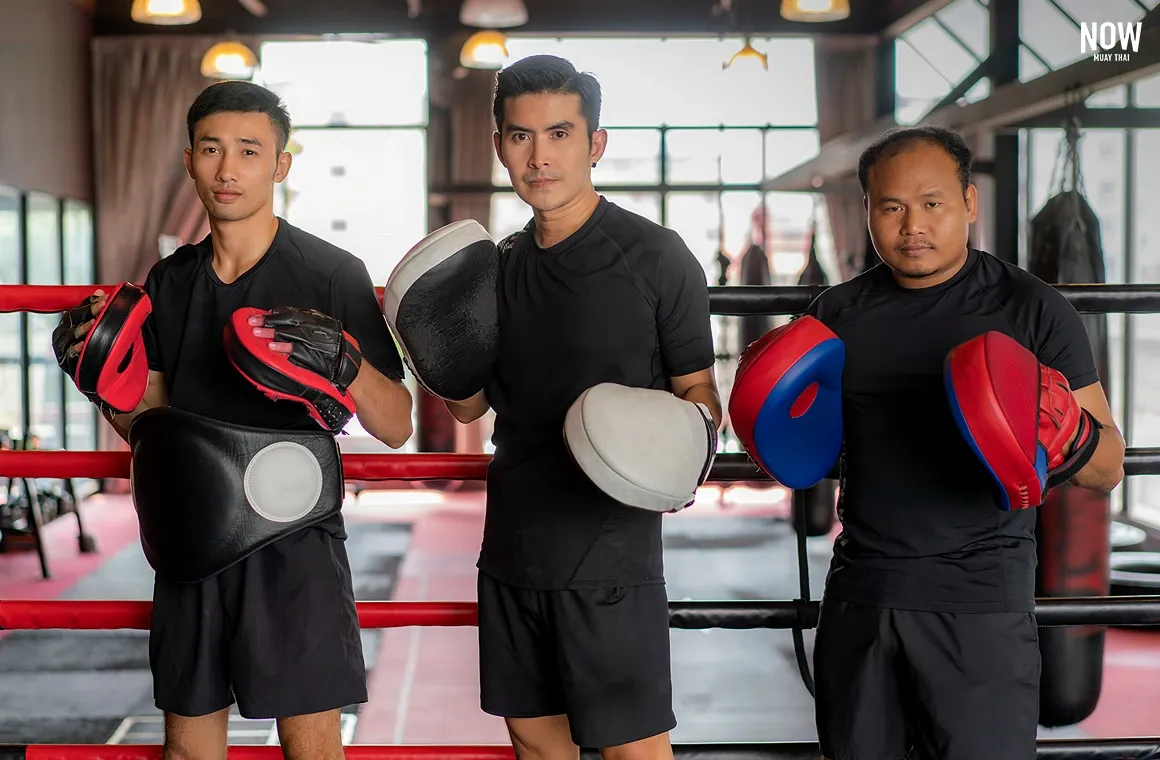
104, 353
440, 303
322, 363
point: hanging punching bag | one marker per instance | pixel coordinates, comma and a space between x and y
754, 271
1073, 530
819, 499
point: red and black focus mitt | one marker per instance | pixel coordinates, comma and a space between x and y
104, 353
1019, 417
322, 363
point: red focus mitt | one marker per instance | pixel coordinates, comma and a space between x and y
322, 363
786, 403
1019, 417
106, 359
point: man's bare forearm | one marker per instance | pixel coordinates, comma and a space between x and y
384, 406
704, 393
1105, 469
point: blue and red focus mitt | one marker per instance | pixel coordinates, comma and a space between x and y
317, 371
104, 353
1019, 417
786, 403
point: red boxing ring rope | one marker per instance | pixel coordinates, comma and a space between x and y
50, 299
31, 615
115, 464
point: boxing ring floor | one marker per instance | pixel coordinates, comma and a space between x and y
64, 686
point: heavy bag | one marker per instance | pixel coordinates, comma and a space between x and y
754, 271
819, 501
1073, 530
751, 327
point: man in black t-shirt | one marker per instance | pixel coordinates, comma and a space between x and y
573, 614
278, 631
927, 638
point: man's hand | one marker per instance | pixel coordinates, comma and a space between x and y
313, 341
74, 325
100, 347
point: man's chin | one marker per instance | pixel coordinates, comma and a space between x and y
917, 274
225, 213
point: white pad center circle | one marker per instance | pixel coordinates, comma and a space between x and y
283, 481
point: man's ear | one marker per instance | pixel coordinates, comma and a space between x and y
189, 162
285, 159
971, 196
598, 144
497, 141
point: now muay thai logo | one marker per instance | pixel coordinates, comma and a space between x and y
1109, 41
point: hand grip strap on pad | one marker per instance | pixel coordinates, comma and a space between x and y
1086, 442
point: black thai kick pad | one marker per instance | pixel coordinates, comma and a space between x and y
208, 494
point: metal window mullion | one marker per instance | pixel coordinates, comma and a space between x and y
25, 374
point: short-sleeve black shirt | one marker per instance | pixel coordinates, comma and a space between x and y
191, 305
921, 528
621, 300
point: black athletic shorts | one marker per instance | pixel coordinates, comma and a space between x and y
893, 684
599, 656
277, 632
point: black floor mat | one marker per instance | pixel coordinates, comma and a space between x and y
57, 730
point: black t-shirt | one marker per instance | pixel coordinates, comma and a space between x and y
191, 305
622, 300
921, 528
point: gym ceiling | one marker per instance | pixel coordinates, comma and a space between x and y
437, 19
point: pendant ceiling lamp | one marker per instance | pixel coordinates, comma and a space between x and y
229, 60
748, 54
166, 12
815, 10
493, 14
486, 49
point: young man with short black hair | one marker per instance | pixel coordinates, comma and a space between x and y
573, 614
277, 631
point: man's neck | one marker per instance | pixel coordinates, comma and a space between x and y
557, 225
239, 245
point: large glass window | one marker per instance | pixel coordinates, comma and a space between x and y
936, 54
79, 265
686, 84
44, 268
359, 177
1148, 92
363, 190
324, 83
1050, 30
11, 373
43, 241
1102, 175
1144, 427
1102, 161
714, 156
